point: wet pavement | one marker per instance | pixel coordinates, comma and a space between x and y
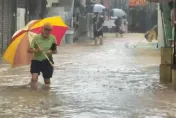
115, 80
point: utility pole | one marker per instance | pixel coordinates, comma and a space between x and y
115, 5
118, 4
121, 4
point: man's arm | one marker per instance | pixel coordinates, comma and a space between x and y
102, 21
32, 48
55, 46
53, 49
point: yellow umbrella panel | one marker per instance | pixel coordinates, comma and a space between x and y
17, 52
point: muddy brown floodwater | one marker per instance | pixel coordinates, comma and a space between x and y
115, 80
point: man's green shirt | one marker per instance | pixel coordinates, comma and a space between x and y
44, 43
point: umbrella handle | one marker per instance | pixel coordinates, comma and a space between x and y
48, 59
44, 53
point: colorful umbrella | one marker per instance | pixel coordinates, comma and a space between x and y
16, 53
135, 3
59, 27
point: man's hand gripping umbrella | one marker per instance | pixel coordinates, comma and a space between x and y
53, 48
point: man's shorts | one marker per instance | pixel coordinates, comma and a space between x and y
98, 33
42, 66
117, 29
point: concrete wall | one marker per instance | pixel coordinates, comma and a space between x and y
167, 21
68, 10
161, 38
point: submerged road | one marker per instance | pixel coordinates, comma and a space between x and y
115, 80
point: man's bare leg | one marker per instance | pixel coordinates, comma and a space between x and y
34, 80
47, 83
96, 40
116, 31
101, 40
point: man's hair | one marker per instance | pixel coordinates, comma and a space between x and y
47, 25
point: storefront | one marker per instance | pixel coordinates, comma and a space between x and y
14, 14
166, 34
31, 9
142, 15
7, 22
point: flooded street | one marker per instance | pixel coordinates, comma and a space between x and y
115, 80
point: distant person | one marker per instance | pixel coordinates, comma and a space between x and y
76, 20
76, 23
125, 23
98, 28
118, 23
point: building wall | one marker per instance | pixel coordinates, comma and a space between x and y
21, 3
8, 21
21, 14
106, 3
161, 39
66, 6
34, 9
12, 21
142, 18
167, 20
83, 2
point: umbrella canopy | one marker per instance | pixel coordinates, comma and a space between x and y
96, 8
135, 3
118, 12
16, 54
58, 30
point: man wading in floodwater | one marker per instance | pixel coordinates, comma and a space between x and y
98, 28
42, 43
